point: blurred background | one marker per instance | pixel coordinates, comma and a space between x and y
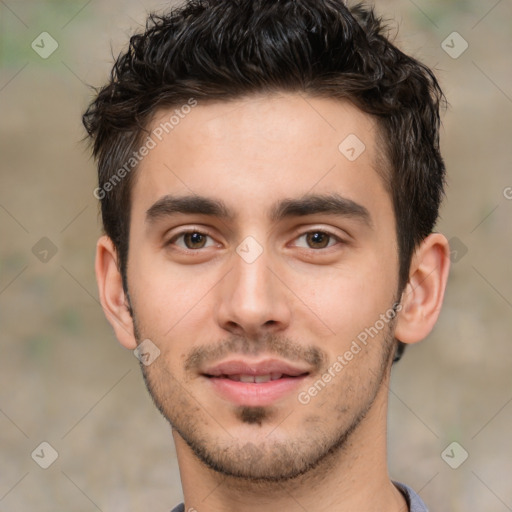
64, 379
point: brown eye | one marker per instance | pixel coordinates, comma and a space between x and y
317, 239
192, 240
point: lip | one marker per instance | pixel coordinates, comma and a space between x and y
255, 393
262, 367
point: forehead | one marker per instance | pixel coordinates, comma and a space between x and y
256, 149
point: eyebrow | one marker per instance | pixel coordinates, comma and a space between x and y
309, 204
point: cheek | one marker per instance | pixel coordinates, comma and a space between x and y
346, 301
173, 305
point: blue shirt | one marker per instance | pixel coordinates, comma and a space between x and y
413, 500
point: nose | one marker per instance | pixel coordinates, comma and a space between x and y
252, 299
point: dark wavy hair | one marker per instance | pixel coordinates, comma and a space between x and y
226, 49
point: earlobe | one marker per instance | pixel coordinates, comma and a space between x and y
112, 296
423, 296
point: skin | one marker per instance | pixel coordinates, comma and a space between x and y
304, 299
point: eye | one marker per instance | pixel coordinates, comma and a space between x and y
191, 240
317, 240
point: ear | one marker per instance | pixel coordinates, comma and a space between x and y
423, 295
112, 296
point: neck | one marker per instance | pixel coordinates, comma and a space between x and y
353, 477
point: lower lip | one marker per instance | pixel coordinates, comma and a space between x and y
255, 394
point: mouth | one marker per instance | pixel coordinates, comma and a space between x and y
256, 379
255, 383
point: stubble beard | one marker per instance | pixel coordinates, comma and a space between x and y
267, 461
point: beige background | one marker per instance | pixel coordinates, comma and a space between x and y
65, 380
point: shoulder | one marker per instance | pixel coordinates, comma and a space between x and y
414, 501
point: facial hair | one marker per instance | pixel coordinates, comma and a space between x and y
264, 460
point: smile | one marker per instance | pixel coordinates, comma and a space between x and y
255, 383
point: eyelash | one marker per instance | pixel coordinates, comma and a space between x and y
196, 231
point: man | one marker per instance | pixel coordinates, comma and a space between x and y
270, 177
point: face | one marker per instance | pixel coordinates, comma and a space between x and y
263, 264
